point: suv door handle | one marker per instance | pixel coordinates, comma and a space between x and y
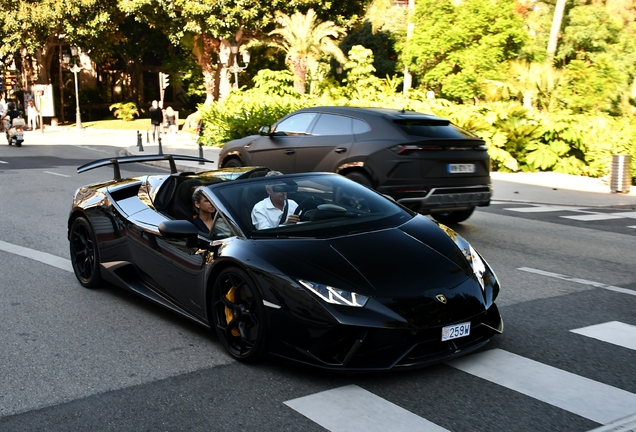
340, 150
290, 151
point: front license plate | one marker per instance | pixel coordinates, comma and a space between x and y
455, 331
461, 168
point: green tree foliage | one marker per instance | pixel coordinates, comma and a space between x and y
592, 86
456, 46
207, 26
589, 30
305, 40
381, 42
38, 27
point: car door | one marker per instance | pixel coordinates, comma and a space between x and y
329, 142
277, 151
172, 266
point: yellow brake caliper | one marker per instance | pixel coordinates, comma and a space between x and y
229, 316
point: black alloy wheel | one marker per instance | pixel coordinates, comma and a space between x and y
238, 315
233, 163
454, 216
361, 178
84, 253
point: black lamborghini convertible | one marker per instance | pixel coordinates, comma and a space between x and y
360, 283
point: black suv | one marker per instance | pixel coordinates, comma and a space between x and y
422, 161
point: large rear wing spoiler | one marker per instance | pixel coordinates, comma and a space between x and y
116, 161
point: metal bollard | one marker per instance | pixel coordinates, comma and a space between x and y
201, 153
160, 149
621, 173
139, 144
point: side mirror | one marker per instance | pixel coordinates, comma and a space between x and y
180, 229
265, 131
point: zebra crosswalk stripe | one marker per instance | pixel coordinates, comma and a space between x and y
613, 332
579, 395
354, 409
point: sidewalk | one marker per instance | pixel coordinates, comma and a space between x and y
536, 188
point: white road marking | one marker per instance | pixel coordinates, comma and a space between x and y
594, 217
579, 395
43, 257
627, 424
613, 332
631, 215
579, 281
632, 226
539, 209
354, 409
57, 174
3, 162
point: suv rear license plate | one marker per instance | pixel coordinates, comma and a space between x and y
461, 168
455, 331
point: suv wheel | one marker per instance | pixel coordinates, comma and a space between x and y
233, 163
454, 216
361, 178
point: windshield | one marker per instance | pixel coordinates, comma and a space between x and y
326, 205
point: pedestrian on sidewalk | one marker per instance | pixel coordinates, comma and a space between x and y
156, 117
171, 120
32, 115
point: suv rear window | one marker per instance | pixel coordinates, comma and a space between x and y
430, 128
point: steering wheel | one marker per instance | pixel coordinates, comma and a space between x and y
304, 208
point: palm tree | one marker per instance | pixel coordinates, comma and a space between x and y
536, 83
305, 40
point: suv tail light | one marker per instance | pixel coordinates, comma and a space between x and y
409, 148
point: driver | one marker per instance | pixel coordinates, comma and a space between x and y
276, 209
11, 113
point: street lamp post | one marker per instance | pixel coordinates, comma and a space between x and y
75, 68
233, 57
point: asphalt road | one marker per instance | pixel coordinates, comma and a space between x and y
78, 359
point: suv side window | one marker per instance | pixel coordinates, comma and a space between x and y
295, 125
360, 126
330, 124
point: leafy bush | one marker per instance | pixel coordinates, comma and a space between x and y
125, 111
242, 113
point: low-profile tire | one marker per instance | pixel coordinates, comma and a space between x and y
233, 163
361, 178
84, 253
454, 216
238, 315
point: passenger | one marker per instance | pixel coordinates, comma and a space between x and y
205, 216
276, 209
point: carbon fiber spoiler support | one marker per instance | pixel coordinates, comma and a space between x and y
116, 161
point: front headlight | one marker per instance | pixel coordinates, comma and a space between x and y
334, 295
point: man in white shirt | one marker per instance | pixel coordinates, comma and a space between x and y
276, 209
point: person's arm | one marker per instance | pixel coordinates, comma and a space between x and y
259, 219
291, 217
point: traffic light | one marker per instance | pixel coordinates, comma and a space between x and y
164, 80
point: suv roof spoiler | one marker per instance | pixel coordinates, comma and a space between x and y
116, 161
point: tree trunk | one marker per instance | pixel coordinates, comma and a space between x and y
299, 68
204, 49
557, 19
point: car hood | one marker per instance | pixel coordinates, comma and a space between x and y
403, 262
